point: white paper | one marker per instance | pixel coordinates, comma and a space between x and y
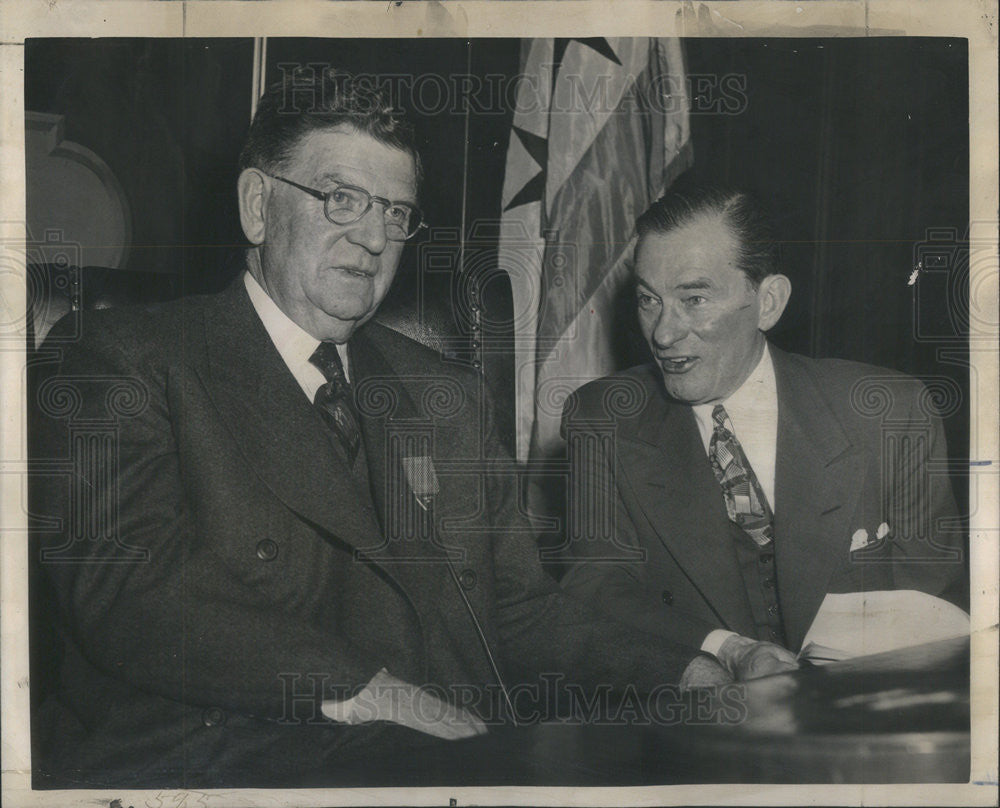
861, 623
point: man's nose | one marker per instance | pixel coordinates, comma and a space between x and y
669, 329
369, 231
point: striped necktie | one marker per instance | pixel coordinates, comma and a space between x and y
745, 501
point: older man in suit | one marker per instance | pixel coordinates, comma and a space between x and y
748, 483
289, 539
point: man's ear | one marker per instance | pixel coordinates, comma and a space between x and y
773, 294
252, 191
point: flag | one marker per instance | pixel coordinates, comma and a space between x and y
600, 131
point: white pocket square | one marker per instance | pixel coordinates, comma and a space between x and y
859, 540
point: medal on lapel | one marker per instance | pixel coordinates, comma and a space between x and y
422, 478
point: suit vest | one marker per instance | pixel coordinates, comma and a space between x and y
760, 582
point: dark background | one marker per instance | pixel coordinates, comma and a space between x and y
859, 146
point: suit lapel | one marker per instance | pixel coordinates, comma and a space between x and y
374, 379
282, 436
419, 564
291, 450
668, 470
817, 482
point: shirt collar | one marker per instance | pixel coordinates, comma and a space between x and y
293, 343
757, 393
758, 384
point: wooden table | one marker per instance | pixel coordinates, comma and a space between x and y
897, 717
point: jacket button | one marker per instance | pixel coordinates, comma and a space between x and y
213, 717
765, 558
467, 579
769, 583
267, 550
667, 597
773, 610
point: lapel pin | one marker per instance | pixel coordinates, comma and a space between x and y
422, 477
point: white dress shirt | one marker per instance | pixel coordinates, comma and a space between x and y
294, 344
753, 413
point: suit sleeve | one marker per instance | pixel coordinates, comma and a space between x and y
140, 588
544, 629
612, 572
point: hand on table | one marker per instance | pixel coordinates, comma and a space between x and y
704, 671
745, 658
387, 698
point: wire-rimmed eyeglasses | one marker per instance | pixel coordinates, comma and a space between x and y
346, 204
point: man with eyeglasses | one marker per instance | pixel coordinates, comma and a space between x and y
316, 557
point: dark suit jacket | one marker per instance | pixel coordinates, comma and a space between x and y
857, 446
212, 554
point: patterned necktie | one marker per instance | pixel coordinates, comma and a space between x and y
334, 399
745, 500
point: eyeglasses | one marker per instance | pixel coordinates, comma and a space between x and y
346, 204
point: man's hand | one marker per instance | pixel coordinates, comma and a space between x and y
704, 671
748, 659
386, 698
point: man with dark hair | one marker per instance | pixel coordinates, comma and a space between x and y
257, 580
336, 98
750, 483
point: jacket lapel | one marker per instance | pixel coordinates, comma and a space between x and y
669, 472
283, 438
395, 428
392, 433
375, 382
289, 446
817, 482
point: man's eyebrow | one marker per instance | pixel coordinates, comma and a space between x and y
697, 283
642, 283
340, 179
329, 176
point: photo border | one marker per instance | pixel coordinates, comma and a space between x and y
975, 21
